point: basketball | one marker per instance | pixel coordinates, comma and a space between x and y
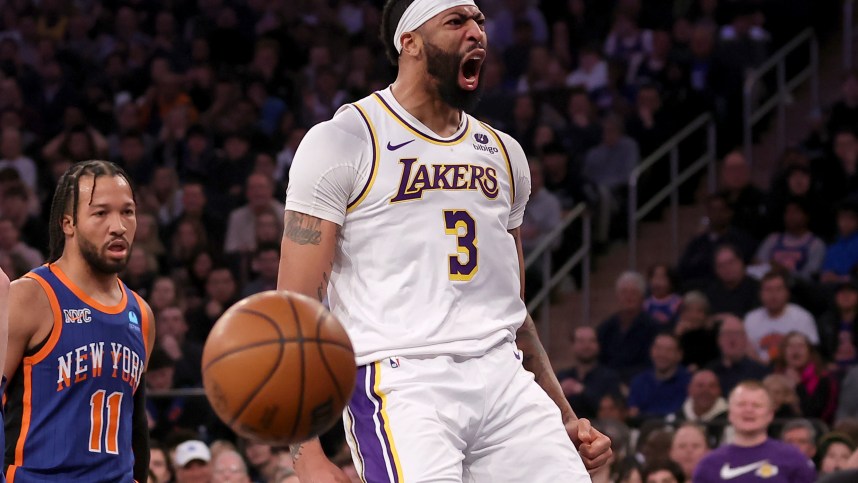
278, 368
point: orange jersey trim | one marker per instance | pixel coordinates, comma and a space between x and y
28, 363
79, 293
58, 321
144, 322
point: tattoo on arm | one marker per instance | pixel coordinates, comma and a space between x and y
303, 229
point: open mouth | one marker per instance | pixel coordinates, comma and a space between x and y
117, 247
469, 71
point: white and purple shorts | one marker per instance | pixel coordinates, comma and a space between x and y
457, 419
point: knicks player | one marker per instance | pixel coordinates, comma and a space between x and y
405, 211
78, 348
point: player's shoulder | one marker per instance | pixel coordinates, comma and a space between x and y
348, 123
29, 301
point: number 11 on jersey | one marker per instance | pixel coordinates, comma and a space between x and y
463, 265
97, 422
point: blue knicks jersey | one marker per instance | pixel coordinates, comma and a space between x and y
69, 406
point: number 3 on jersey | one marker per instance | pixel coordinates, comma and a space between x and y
463, 265
96, 428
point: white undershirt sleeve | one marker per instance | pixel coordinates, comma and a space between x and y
521, 178
331, 165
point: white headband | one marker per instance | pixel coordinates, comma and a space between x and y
419, 12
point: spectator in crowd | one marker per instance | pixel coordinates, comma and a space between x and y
746, 200
695, 265
12, 156
694, 329
688, 447
587, 381
229, 467
159, 462
663, 472
661, 390
801, 182
187, 355
704, 403
241, 231
834, 451
784, 397
838, 328
195, 208
750, 413
800, 433
663, 302
559, 176
626, 39
847, 405
841, 169
817, 390
582, 131
14, 205
844, 113
221, 294
796, 250
164, 294
734, 365
767, 325
625, 337
733, 290
261, 458
11, 244
265, 264
592, 72
608, 166
544, 210
842, 256
193, 462
166, 414
650, 125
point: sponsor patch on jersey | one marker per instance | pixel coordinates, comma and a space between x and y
483, 141
133, 322
77, 316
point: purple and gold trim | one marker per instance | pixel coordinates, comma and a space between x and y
422, 135
375, 157
506, 158
370, 428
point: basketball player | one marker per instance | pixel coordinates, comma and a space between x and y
753, 456
405, 211
79, 345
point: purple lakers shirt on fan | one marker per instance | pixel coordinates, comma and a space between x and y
771, 462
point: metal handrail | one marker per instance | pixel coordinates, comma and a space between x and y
542, 254
677, 179
848, 36
785, 87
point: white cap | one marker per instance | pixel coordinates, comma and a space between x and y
190, 451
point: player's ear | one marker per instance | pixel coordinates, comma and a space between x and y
412, 44
68, 224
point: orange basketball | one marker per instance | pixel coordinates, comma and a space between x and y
278, 368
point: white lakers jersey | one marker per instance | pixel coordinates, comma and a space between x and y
424, 263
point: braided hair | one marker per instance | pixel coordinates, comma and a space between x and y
68, 191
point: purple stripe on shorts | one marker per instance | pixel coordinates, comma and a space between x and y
381, 421
363, 411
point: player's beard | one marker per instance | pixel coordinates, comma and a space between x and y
444, 67
100, 263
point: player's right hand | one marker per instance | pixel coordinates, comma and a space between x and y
319, 470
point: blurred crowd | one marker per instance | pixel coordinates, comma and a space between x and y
204, 102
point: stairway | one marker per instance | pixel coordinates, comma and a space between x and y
654, 237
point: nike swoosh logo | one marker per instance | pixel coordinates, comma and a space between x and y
728, 473
392, 147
